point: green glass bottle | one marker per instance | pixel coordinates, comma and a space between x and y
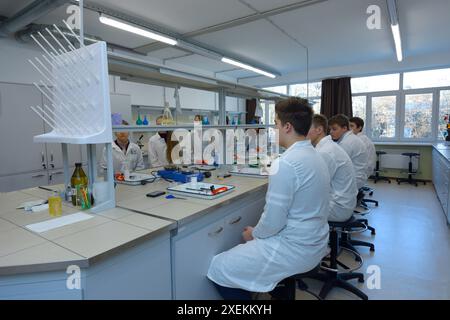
139, 120
79, 178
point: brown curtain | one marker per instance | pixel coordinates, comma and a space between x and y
250, 107
336, 97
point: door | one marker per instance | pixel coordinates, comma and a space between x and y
18, 126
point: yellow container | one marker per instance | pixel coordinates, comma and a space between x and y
55, 205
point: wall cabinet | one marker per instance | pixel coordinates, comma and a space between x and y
25, 163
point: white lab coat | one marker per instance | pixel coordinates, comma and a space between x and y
372, 153
343, 181
292, 235
357, 152
133, 155
157, 149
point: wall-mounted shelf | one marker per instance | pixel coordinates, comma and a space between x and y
187, 127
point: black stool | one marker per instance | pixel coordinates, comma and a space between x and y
377, 176
410, 178
332, 277
362, 202
285, 290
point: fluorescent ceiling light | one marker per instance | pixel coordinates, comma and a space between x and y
139, 31
247, 67
398, 41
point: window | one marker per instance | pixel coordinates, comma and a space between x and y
299, 90
271, 111
418, 111
388, 82
316, 105
383, 117
444, 109
426, 79
279, 89
359, 107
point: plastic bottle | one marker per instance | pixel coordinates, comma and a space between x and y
55, 205
79, 178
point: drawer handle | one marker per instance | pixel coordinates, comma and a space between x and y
215, 233
38, 176
236, 220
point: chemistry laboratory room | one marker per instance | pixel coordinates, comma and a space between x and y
224, 150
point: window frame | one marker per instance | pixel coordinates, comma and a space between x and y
400, 106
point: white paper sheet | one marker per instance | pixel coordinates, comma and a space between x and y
58, 222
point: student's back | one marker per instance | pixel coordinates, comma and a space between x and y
357, 152
343, 181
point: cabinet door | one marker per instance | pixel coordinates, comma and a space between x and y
23, 181
54, 150
243, 217
193, 254
18, 126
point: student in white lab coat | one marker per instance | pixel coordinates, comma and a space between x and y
355, 148
125, 152
292, 234
357, 125
342, 173
157, 148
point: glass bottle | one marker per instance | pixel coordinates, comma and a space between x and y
79, 178
139, 120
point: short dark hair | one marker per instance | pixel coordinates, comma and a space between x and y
319, 120
358, 121
297, 112
341, 120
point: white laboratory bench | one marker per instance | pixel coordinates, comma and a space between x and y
146, 248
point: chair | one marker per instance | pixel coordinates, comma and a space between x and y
411, 173
377, 176
332, 276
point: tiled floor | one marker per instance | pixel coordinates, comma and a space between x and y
412, 246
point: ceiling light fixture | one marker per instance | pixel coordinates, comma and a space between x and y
116, 23
247, 67
393, 14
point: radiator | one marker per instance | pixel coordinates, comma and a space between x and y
393, 159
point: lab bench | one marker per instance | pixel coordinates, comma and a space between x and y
204, 227
145, 248
120, 254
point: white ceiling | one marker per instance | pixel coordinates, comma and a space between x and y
181, 16
334, 31
9, 8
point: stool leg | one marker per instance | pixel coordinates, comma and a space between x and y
352, 289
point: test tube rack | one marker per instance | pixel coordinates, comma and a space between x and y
75, 82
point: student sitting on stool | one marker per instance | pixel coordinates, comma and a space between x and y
340, 167
357, 125
292, 235
355, 148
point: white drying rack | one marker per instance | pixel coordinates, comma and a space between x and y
79, 112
